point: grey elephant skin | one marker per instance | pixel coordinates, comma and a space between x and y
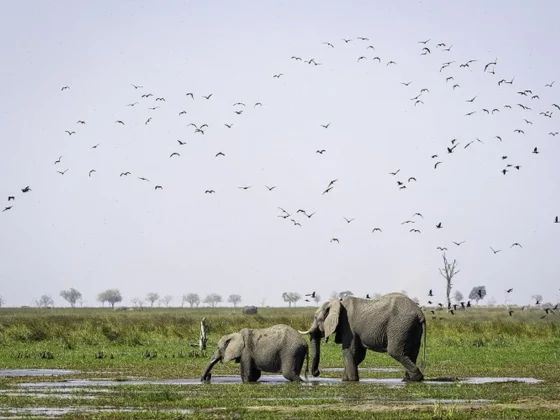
277, 349
393, 324
250, 310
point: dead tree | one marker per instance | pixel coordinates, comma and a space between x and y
448, 272
203, 339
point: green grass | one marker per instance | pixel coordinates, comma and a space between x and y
482, 342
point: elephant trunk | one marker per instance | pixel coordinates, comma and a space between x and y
315, 353
206, 375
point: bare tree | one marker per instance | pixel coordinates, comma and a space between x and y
234, 300
71, 296
110, 295
404, 292
167, 300
458, 296
192, 299
377, 296
2, 301
45, 302
317, 298
152, 297
212, 299
262, 302
448, 272
138, 302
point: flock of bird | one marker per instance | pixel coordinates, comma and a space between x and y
522, 100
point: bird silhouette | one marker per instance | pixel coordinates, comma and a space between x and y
335, 240
516, 244
277, 76
58, 161
26, 189
125, 173
174, 154
495, 251
418, 214
219, 154
509, 290
311, 295
181, 143
439, 226
92, 171
209, 192
326, 125
65, 87
70, 132
436, 165
7, 208
431, 293
11, 198
536, 151
348, 220
394, 173
415, 231
62, 172
158, 187
119, 122
143, 179
95, 146
207, 97
270, 188
321, 151
376, 230
229, 125
458, 243
441, 248
244, 187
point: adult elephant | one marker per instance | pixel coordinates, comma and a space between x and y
277, 349
393, 324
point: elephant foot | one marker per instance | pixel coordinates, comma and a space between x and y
418, 377
316, 373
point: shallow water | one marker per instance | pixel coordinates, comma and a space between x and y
35, 372
51, 412
367, 369
266, 379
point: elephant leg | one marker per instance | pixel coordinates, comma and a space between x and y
289, 373
353, 356
291, 369
412, 374
249, 372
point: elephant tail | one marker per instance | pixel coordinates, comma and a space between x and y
424, 333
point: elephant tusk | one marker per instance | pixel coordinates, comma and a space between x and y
304, 332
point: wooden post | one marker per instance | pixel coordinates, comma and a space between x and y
203, 339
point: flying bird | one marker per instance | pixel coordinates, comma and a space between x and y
219, 154
516, 244
125, 173
471, 100
270, 188
495, 251
277, 76
181, 143
58, 161
134, 103
207, 97
439, 226
415, 230
65, 87
62, 172
437, 163
536, 151
458, 243
11, 198
96, 146
376, 229
148, 120
70, 132
394, 173
182, 113
229, 125
143, 179
348, 220
119, 122
326, 125
27, 189
335, 240
190, 94
321, 151
326, 43
549, 84
244, 188
174, 154
7, 208
209, 192
442, 248
418, 214
92, 171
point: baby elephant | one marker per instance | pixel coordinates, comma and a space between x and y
278, 349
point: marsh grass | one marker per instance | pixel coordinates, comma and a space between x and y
156, 344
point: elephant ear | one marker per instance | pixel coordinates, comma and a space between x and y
234, 346
331, 321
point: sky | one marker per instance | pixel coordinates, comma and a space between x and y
110, 231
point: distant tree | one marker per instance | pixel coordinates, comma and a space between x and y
2, 301
345, 293
376, 296
234, 300
192, 299
477, 293
45, 301
111, 296
167, 300
291, 297
138, 302
81, 301
448, 272
212, 299
492, 301
317, 299
71, 296
537, 298
152, 297
334, 295
416, 300
404, 292
458, 296
262, 302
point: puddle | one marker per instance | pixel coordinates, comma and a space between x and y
368, 369
52, 412
266, 379
35, 372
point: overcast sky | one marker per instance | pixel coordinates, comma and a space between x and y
107, 231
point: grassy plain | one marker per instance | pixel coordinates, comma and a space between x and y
155, 344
